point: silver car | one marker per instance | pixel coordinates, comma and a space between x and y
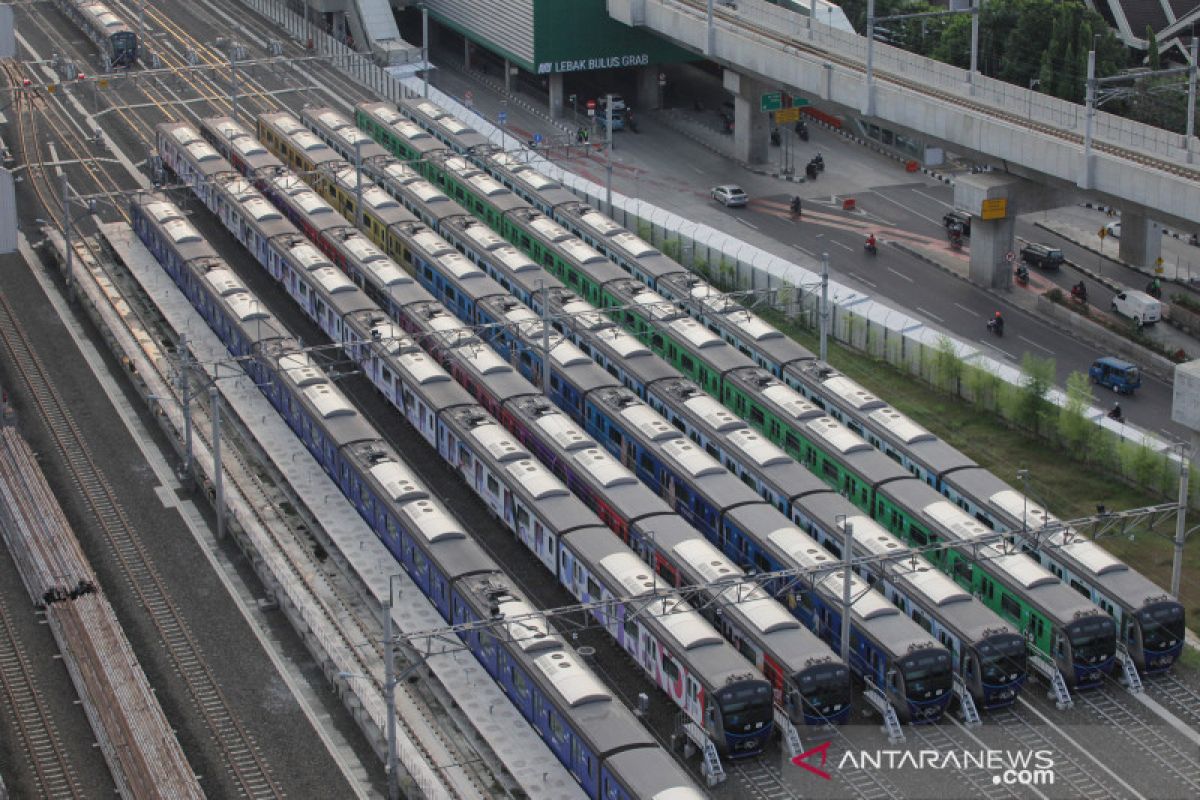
729, 195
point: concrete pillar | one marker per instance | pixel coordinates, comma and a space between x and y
751, 127
556, 95
339, 26
650, 87
1001, 198
467, 54
507, 77
1141, 240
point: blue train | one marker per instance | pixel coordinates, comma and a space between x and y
597, 738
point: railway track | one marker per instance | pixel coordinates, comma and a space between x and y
935, 737
1172, 757
1176, 695
240, 753
1066, 768
697, 9
38, 735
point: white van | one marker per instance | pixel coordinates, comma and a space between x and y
1138, 306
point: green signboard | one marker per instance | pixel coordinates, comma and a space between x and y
771, 101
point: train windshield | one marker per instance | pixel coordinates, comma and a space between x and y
746, 705
926, 676
1162, 626
824, 690
1093, 639
1002, 659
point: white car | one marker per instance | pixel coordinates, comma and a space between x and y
1114, 229
729, 195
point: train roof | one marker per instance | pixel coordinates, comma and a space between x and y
513, 171
445, 126
650, 774
186, 140
958, 609
379, 203
166, 216
617, 241
324, 402
316, 214
488, 368
478, 182
784, 401
691, 639
236, 141
286, 126
413, 134
1084, 557
1009, 566
339, 132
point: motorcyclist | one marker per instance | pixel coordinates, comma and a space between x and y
997, 324
796, 205
1154, 288
1116, 413
954, 231
1079, 292
871, 242
1023, 273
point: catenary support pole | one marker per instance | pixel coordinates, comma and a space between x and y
1191, 101
389, 663
823, 313
545, 339
214, 398
976, 8
608, 113
869, 106
358, 180
186, 393
847, 551
1091, 115
1181, 517
425, 50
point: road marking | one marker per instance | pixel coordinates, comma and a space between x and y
934, 199
1035, 344
839, 244
969, 311
930, 314
861, 279
808, 253
906, 208
747, 224
901, 274
693, 166
984, 746
1079, 747
1011, 357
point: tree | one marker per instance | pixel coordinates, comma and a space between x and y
1039, 377
1073, 426
1153, 58
1030, 34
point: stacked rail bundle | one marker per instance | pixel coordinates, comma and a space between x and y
138, 742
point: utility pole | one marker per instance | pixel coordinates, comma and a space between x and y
66, 203
425, 49
185, 385
1086, 183
389, 666
358, 197
712, 31
545, 339
975, 9
847, 549
1181, 515
869, 106
823, 313
608, 113
214, 399
1191, 101
233, 79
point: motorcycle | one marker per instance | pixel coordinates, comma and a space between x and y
996, 326
1022, 276
802, 131
1079, 293
811, 171
956, 241
819, 162
1116, 414
1154, 290
870, 247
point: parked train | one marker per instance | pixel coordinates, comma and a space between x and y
590, 731
116, 40
1044, 612
1144, 612
677, 649
883, 637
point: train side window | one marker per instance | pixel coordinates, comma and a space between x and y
962, 569
1010, 607
1079, 587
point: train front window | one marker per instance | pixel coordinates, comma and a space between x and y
825, 690
1162, 626
1002, 659
746, 706
926, 676
1093, 640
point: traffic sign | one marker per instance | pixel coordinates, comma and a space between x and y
1010, 256
994, 209
502, 117
1158, 265
537, 138
1102, 233
771, 101
787, 115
